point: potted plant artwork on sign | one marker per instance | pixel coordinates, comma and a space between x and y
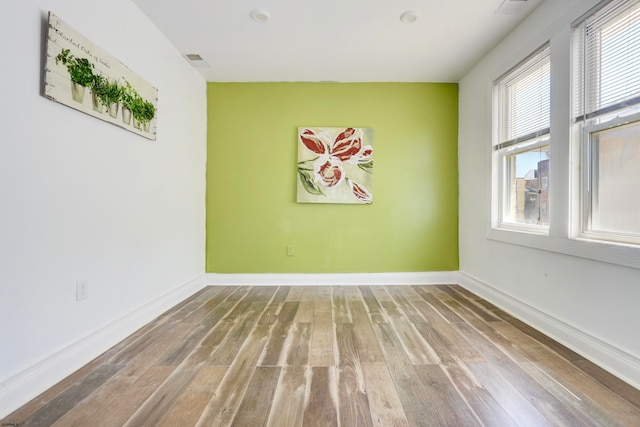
74, 63
105, 95
80, 72
127, 95
111, 97
143, 112
98, 92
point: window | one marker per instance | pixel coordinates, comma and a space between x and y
587, 202
606, 97
521, 144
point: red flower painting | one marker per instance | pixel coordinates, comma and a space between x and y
335, 165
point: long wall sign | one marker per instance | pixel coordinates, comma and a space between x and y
83, 76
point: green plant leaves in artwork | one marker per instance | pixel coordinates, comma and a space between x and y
81, 72
80, 69
141, 109
367, 167
112, 92
308, 183
99, 86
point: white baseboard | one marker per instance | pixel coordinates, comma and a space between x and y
611, 358
346, 279
20, 388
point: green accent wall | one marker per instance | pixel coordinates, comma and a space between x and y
252, 214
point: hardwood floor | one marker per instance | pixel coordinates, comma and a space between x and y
336, 356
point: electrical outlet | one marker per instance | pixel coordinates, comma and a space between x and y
290, 250
82, 289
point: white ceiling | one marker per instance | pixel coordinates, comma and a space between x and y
335, 40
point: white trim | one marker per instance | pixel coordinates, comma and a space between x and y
346, 279
611, 358
614, 253
20, 388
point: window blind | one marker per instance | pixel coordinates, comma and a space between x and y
607, 59
523, 100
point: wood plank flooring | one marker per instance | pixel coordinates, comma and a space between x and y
336, 356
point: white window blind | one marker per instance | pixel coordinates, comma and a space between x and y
607, 59
523, 100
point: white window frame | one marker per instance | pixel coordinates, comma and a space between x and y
501, 183
624, 111
586, 179
504, 184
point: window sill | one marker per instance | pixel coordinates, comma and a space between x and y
621, 254
538, 230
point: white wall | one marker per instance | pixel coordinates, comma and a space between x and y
80, 198
589, 305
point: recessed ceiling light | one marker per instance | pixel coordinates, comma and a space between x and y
260, 15
409, 17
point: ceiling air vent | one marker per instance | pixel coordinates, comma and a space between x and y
509, 7
196, 60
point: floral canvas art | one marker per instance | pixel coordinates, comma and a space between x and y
335, 165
